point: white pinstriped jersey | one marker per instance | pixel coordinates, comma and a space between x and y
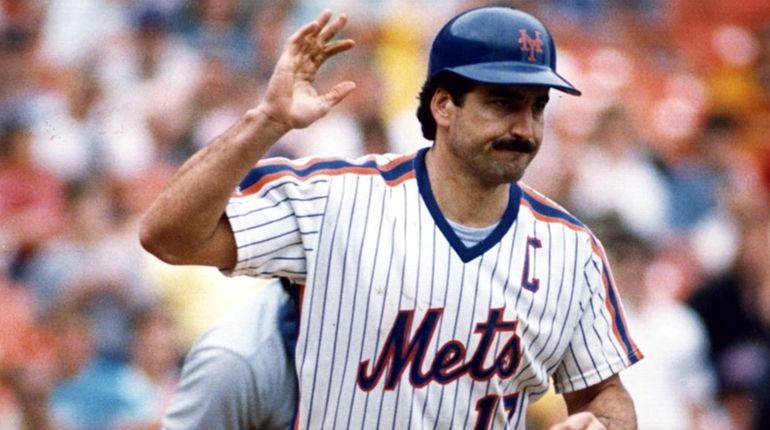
402, 326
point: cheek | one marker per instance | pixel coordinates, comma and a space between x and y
477, 129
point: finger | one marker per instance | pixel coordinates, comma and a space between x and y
338, 92
303, 33
328, 32
323, 18
337, 47
312, 28
331, 50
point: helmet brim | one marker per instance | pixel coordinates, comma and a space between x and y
514, 73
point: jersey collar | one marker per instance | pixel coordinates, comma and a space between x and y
466, 254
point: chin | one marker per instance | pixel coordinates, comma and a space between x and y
505, 176
508, 173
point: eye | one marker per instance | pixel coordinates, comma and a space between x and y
504, 103
539, 106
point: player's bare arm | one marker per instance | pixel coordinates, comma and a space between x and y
186, 224
606, 405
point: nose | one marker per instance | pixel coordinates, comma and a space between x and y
523, 125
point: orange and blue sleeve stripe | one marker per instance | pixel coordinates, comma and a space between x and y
546, 210
394, 172
613, 305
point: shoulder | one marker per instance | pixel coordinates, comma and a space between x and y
544, 209
392, 168
211, 391
246, 344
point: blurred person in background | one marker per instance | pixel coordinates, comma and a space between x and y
86, 392
266, 34
735, 307
153, 366
91, 265
71, 33
240, 374
20, 68
149, 77
613, 162
31, 199
216, 98
52, 376
220, 28
69, 130
25, 357
695, 179
677, 368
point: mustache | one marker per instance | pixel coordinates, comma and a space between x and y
519, 145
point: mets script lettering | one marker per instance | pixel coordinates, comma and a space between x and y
529, 44
450, 362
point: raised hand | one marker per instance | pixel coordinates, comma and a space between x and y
290, 100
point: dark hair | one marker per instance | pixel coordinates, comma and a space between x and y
457, 87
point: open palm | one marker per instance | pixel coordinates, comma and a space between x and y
291, 100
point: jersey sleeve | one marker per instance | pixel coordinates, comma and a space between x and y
275, 218
601, 344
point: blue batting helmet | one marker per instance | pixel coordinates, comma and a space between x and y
498, 45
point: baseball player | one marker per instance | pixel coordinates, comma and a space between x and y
439, 290
240, 374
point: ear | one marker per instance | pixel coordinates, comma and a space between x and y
442, 107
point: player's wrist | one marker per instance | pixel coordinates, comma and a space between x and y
267, 123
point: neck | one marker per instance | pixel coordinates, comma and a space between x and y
460, 195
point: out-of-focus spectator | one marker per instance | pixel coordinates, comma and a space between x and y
70, 129
735, 308
67, 385
149, 78
153, 367
211, 109
73, 32
676, 367
93, 266
220, 28
614, 161
694, 181
31, 199
20, 68
91, 392
25, 354
267, 34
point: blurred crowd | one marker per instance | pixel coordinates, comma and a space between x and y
666, 157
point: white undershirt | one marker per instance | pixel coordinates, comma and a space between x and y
471, 235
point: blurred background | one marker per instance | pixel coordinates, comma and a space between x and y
666, 156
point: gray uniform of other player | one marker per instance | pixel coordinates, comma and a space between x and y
238, 375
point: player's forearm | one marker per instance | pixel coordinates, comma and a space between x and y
614, 409
183, 219
611, 405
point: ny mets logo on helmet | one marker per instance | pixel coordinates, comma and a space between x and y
529, 44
